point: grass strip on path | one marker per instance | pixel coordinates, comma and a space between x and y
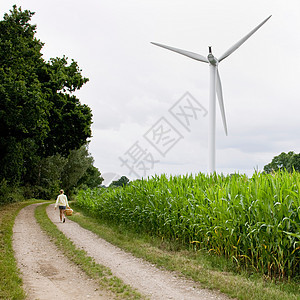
96, 271
211, 271
10, 280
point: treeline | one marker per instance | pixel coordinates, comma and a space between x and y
284, 161
44, 129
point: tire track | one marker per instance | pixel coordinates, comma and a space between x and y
146, 278
46, 273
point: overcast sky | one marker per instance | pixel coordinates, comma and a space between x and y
136, 89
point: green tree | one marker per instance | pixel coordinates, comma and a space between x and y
23, 110
44, 181
123, 181
39, 115
91, 179
69, 121
79, 170
52, 173
289, 161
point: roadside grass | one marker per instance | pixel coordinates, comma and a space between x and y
96, 271
10, 280
210, 271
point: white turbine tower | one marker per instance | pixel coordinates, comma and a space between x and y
215, 88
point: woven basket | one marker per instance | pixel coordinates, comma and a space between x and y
69, 211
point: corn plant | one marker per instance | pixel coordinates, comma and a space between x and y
253, 221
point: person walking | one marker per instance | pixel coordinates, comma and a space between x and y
62, 202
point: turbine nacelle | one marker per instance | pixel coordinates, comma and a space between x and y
212, 60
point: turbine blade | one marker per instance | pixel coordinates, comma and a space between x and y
220, 98
184, 52
243, 40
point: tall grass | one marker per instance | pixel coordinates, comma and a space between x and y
253, 221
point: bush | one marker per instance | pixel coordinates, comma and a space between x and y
10, 194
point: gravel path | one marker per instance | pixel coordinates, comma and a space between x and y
149, 280
46, 273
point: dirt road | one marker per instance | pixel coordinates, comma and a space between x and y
44, 269
47, 274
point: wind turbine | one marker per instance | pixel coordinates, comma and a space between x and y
215, 88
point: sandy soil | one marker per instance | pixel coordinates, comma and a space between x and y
48, 275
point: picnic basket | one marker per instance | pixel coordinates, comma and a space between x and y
69, 211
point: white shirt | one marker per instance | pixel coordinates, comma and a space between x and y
61, 200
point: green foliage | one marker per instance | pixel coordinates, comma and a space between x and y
289, 161
10, 194
123, 181
91, 179
253, 221
213, 272
22, 107
52, 173
39, 116
69, 121
76, 167
44, 180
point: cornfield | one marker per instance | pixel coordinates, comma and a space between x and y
253, 221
